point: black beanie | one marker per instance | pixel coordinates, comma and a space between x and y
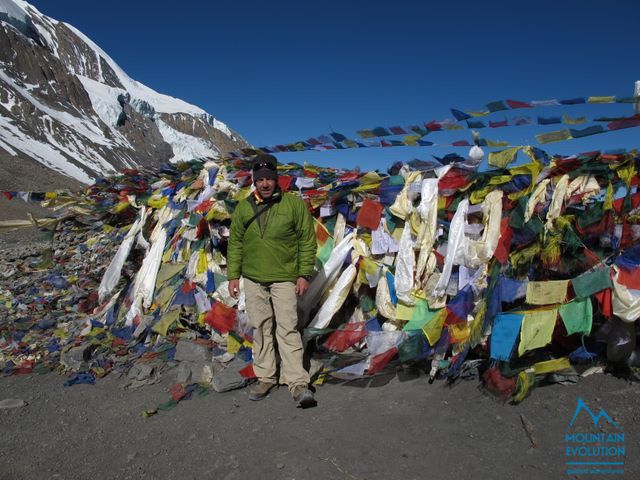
265, 166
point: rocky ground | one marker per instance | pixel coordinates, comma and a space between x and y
403, 429
395, 426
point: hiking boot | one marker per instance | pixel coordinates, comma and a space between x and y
303, 396
260, 390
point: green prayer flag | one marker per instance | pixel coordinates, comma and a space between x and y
577, 316
591, 215
411, 348
496, 106
589, 283
420, 316
167, 271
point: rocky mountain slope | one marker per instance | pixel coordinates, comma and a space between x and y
69, 113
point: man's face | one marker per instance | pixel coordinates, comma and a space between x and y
266, 187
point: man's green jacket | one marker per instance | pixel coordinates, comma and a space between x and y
278, 246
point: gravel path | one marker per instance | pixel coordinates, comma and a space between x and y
401, 430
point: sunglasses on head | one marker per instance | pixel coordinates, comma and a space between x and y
267, 165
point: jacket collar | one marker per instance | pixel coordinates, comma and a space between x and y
258, 200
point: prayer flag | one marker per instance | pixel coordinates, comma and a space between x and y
572, 101
503, 158
549, 120
370, 214
589, 283
496, 106
585, 132
573, 121
537, 328
503, 335
460, 115
378, 362
577, 316
547, 293
518, 104
551, 137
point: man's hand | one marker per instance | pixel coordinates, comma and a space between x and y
234, 288
301, 286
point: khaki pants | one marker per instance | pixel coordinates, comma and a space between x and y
272, 307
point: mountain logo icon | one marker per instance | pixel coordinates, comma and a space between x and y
581, 406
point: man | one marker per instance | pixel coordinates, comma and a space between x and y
272, 245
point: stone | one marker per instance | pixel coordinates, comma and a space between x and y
188, 351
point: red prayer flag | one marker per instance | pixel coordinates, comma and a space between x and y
433, 126
370, 214
221, 317
504, 244
247, 372
604, 301
629, 278
346, 337
518, 104
178, 392
378, 362
321, 234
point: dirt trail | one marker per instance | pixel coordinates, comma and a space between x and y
402, 430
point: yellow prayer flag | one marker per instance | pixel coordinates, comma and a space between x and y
627, 172
573, 121
608, 99
201, 267
366, 188
536, 330
547, 293
483, 113
459, 332
608, 198
157, 201
411, 140
433, 328
397, 234
549, 366
478, 196
166, 321
233, 345
404, 312
499, 180
370, 177
503, 158
496, 143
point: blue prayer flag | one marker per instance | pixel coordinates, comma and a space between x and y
505, 330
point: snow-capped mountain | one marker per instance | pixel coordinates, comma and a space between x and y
65, 104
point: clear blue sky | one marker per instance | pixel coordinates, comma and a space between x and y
283, 71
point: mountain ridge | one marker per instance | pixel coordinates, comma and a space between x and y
67, 105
